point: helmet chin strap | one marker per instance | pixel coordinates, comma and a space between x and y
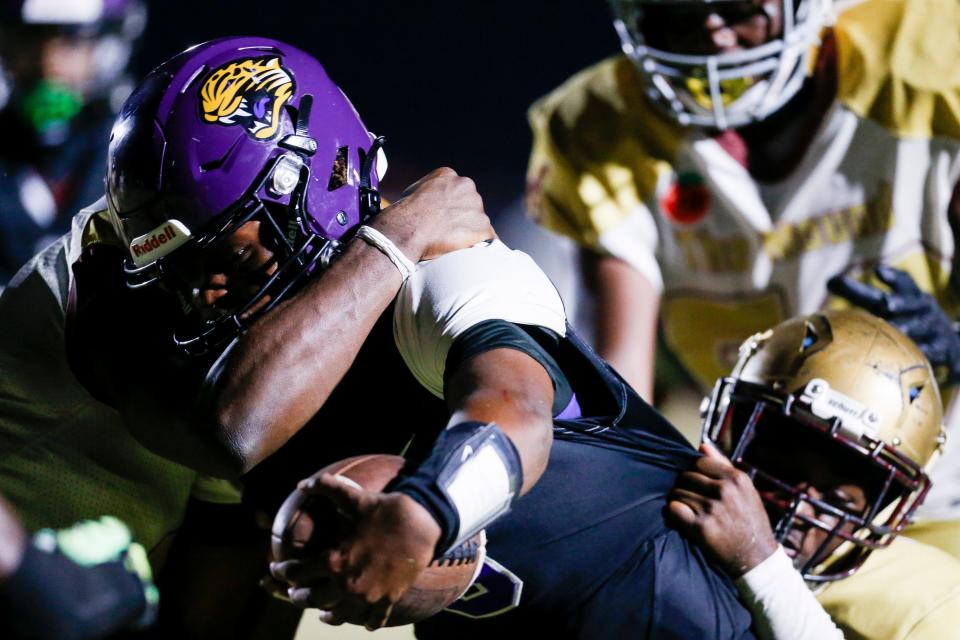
369, 196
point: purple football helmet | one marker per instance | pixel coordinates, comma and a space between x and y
226, 132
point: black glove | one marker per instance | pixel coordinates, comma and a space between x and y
910, 310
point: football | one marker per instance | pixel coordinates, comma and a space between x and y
307, 524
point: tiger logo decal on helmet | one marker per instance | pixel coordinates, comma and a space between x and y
249, 93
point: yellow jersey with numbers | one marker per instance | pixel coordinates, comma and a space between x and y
732, 256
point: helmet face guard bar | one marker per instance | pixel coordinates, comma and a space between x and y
301, 250
740, 413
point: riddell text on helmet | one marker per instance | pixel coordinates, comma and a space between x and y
158, 242
154, 242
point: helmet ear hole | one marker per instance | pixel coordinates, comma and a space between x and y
809, 337
915, 392
339, 173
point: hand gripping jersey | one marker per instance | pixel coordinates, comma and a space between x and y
64, 456
732, 256
586, 553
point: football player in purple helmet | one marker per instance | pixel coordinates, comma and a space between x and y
260, 139
236, 171
264, 139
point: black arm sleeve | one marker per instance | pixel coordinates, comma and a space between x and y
536, 342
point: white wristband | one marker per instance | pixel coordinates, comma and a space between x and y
382, 243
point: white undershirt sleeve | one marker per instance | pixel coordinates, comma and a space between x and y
447, 296
782, 606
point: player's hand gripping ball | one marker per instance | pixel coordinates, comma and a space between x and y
308, 525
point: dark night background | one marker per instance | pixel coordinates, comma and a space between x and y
447, 82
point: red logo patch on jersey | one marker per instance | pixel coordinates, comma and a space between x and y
687, 200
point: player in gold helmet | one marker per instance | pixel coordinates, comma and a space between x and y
836, 418
737, 156
834, 391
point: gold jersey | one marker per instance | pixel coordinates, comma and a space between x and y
908, 591
732, 256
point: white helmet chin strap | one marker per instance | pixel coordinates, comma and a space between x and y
768, 75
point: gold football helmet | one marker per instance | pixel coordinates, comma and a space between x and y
862, 398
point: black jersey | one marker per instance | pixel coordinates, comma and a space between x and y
589, 541
587, 548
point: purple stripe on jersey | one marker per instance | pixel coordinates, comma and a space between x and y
571, 411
